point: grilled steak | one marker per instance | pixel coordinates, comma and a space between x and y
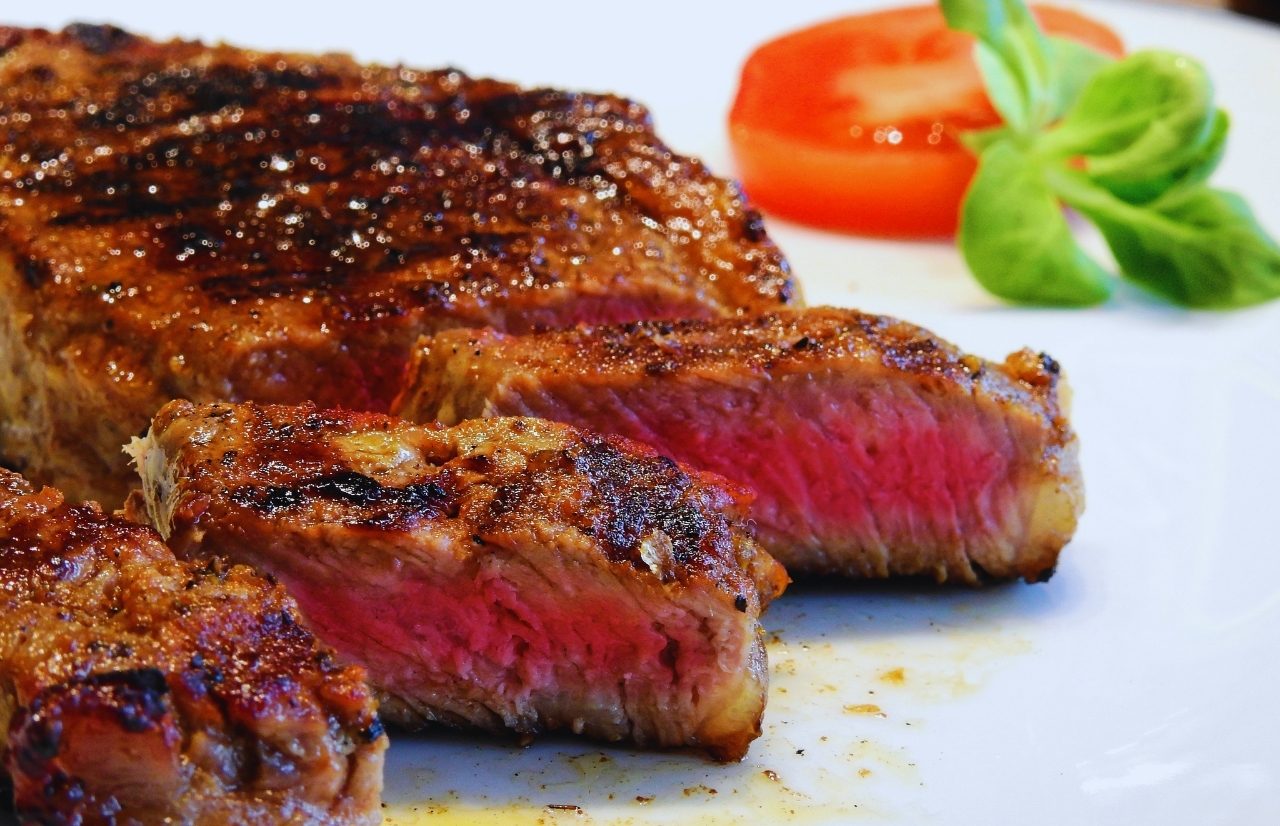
874, 448
135, 688
506, 574
178, 220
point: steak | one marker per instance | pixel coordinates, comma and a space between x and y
135, 688
182, 220
506, 574
874, 448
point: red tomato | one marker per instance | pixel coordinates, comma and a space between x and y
854, 124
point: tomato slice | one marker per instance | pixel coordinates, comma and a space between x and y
854, 124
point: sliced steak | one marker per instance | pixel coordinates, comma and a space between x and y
135, 688
504, 574
873, 447
182, 220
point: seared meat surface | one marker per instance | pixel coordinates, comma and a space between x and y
873, 447
509, 574
180, 220
135, 688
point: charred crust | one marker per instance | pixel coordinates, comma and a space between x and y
99, 39
380, 505
633, 496
10, 37
815, 341
137, 700
324, 190
1050, 364
113, 650
170, 647
661, 368
41, 737
478, 462
639, 507
35, 272
753, 226
139, 696
373, 731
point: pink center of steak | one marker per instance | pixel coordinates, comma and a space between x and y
835, 462
525, 649
888, 468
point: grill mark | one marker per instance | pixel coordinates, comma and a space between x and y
209, 139
140, 696
617, 492
429, 196
136, 698
35, 272
99, 39
379, 504
634, 496
9, 39
219, 637
189, 91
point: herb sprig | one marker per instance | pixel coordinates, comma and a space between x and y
1128, 144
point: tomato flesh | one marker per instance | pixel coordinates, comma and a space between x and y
855, 124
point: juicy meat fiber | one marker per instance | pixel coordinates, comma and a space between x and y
873, 447
205, 222
506, 574
135, 688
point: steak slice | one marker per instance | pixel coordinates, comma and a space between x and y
182, 220
135, 688
874, 448
503, 574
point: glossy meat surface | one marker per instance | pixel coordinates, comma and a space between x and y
140, 689
506, 574
873, 447
179, 220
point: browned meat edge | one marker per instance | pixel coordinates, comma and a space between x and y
137, 688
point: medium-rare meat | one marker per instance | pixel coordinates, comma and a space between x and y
135, 688
180, 220
873, 447
506, 573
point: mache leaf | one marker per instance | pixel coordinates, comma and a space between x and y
1071, 66
1139, 123
1016, 240
1008, 35
1004, 88
1198, 246
1180, 171
1134, 143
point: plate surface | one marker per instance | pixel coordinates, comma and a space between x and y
1135, 687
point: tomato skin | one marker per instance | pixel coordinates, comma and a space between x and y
906, 194
855, 124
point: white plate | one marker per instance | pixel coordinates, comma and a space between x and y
1135, 687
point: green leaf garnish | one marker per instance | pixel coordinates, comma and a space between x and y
1016, 240
1197, 246
1129, 144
